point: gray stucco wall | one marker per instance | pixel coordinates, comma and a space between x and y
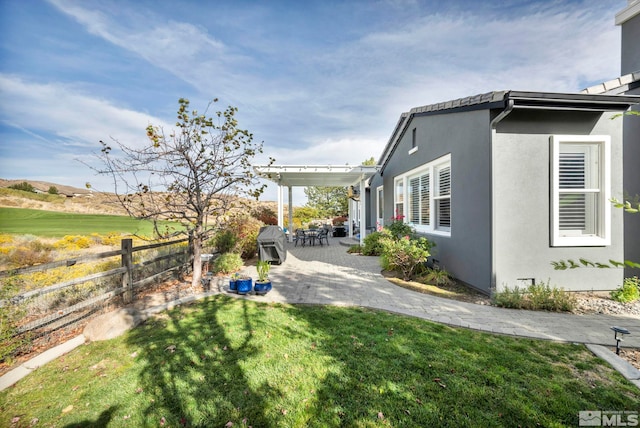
630, 46
631, 63
631, 185
521, 184
467, 252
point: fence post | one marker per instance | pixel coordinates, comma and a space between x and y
127, 262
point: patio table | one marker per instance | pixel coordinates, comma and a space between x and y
311, 235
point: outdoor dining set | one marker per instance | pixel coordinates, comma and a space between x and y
311, 236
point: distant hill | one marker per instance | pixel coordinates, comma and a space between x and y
43, 186
71, 199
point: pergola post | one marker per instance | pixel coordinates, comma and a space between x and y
280, 207
291, 231
363, 211
350, 215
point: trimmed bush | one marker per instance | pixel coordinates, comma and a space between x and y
403, 255
227, 263
373, 245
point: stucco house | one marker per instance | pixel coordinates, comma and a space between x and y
507, 182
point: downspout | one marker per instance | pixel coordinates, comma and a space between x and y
494, 124
504, 113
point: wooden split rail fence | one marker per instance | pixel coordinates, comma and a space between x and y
43, 316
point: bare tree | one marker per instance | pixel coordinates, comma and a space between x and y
192, 176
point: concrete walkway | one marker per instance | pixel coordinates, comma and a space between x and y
328, 275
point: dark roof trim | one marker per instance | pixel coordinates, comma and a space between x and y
500, 99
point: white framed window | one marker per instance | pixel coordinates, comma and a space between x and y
380, 208
398, 194
426, 205
443, 197
580, 190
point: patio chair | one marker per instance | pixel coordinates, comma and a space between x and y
323, 234
299, 236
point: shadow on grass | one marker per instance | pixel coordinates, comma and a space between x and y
255, 364
103, 420
192, 367
400, 371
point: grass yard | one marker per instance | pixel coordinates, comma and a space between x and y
57, 224
255, 364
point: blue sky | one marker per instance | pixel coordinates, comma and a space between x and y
320, 82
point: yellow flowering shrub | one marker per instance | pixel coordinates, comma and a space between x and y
73, 242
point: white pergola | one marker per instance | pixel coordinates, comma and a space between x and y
290, 176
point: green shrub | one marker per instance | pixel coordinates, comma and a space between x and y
438, 277
400, 229
628, 292
509, 298
53, 190
246, 229
536, 297
227, 263
544, 297
355, 249
403, 255
372, 243
249, 244
225, 241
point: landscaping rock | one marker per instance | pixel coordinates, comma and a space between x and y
588, 303
112, 324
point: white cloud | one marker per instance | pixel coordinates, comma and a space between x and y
310, 100
66, 112
352, 151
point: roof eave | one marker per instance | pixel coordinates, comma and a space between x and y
521, 100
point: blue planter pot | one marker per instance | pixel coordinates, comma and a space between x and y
262, 287
233, 286
244, 285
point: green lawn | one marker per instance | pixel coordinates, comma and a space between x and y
262, 365
56, 224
